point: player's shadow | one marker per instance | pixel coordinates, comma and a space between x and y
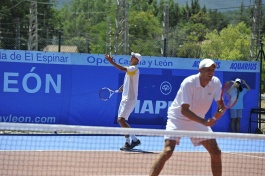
139, 151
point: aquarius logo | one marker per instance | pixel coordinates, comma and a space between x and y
165, 88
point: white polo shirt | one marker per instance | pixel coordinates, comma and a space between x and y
199, 98
130, 84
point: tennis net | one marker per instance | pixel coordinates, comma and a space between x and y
64, 150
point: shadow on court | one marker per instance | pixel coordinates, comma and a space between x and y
139, 151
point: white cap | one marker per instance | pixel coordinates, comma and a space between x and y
206, 63
238, 80
137, 55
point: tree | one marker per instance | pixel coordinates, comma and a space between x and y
14, 22
217, 21
143, 31
14, 17
194, 34
87, 21
232, 43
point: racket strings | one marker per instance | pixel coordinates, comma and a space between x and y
104, 94
230, 95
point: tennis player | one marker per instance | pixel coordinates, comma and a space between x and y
129, 91
192, 102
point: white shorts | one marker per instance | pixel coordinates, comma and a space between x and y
186, 125
126, 107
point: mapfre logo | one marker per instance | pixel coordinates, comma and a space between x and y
165, 88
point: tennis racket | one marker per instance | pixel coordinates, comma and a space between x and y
229, 96
106, 93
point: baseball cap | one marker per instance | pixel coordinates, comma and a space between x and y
238, 80
137, 55
206, 63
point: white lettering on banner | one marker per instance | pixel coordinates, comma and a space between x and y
28, 119
10, 84
149, 107
25, 82
57, 86
8, 81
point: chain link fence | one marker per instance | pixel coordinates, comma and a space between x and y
170, 48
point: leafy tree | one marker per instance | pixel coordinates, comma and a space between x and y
98, 39
262, 23
154, 7
192, 31
144, 28
174, 13
87, 21
14, 17
140, 5
195, 7
189, 50
232, 43
217, 21
86, 24
244, 14
81, 15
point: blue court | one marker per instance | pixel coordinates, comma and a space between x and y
113, 143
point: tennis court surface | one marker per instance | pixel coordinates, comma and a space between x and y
36, 150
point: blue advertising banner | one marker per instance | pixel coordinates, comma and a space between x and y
62, 88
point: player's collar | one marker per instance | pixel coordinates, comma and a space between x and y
198, 83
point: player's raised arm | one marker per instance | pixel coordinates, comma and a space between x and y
111, 61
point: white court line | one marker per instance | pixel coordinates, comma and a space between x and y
247, 155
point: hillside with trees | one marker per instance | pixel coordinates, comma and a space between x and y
194, 31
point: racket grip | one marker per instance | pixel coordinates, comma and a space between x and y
116, 91
220, 110
214, 118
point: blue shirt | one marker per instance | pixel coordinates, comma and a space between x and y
240, 103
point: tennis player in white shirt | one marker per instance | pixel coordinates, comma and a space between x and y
187, 112
129, 91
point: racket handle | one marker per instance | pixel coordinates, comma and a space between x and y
116, 91
220, 110
214, 118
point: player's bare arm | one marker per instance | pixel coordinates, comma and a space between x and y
111, 61
220, 111
185, 110
245, 83
120, 88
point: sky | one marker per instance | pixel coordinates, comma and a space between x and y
220, 5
